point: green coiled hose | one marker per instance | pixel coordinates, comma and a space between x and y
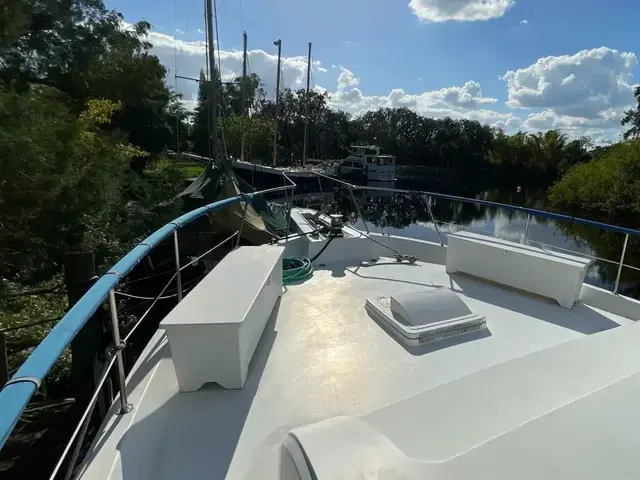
296, 269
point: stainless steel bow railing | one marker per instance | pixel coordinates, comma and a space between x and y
531, 213
17, 392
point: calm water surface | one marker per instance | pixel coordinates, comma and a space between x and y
408, 215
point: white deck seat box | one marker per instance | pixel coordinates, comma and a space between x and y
213, 332
547, 273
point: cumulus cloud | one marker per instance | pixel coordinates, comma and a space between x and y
600, 130
191, 59
524, 22
455, 102
347, 79
459, 10
579, 94
583, 85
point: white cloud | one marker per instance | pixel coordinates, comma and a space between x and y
191, 59
578, 94
584, 84
199, 30
524, 22
179, 31
459, 10
347, 79
455, 102
601, 129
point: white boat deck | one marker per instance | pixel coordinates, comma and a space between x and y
320, 356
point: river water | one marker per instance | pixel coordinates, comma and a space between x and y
408, 215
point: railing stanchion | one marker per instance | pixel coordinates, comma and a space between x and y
624, 251
289, 216
321, 192
433, 220
358, 209
178, 273
4, 361
244, 215
526, 229
293, 192
125, 406
288, 208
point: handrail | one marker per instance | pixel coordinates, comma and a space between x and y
15, 395
531, 211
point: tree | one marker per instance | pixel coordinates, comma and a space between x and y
536, 159
82, 49
254, 95
292, 119
202, 127
607, 189
56, 171
64, 184
632, 118
258, 132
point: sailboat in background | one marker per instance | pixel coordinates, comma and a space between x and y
257, 222
266, 176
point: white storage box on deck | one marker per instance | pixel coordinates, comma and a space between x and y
214, 331
546, 273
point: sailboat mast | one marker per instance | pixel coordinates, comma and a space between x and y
212, 79
277, 43
306, 109
243, 93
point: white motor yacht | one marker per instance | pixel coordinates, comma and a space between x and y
377, 357
366, 162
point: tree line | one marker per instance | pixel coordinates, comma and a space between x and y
456, 145
84, 107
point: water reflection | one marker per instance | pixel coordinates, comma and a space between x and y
408, 215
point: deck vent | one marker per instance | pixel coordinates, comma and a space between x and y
422, 317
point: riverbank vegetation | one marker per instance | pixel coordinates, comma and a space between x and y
423, 146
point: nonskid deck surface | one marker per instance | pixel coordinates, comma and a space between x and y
320, 356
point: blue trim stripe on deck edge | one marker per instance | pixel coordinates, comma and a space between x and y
15, 397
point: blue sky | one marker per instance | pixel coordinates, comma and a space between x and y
525, 64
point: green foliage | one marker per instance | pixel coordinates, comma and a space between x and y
607, 189
257, 132
61, 180
537, 158
65, 185
632, 118
201, 131
254, 95
81, 49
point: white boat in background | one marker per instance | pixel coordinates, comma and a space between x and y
367, 163
380, 357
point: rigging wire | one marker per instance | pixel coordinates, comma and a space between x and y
215, 19
186, 29
206, 61
175, 74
